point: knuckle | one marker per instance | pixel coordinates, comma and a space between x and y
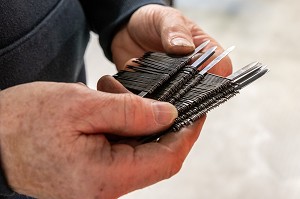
125, 112
131, 108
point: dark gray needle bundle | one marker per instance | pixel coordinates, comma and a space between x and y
169, 78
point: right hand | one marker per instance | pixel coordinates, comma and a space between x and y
53, 144
159, 28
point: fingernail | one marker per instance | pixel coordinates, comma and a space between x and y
181, 42
164, 113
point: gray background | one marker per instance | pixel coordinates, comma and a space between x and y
249, 147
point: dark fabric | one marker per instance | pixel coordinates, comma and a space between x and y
106, 18
52, 50
5, 190
25, 15
16, 196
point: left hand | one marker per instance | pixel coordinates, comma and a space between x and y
161, 28
53, 141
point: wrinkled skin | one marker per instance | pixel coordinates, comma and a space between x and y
53, 136
53, 146
165, 29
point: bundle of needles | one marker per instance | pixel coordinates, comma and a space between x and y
193, 92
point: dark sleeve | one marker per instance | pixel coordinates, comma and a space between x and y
107, 16
5, 190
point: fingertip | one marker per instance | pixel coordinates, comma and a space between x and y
181, 42
82, 84
176, 35
179, 46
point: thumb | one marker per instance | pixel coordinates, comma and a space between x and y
128, 115
175, 33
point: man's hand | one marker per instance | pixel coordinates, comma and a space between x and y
162, 28
53, 143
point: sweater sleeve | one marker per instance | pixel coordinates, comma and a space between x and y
5, 190
107, 16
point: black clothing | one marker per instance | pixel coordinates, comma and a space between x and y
46, 40
49, 47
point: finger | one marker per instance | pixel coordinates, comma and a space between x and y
82, 84
187, 136
125, 114
224, 67
110, 85
124, 48
175, 33
180, 35
161, 160
131, 62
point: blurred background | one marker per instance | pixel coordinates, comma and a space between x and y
249, 146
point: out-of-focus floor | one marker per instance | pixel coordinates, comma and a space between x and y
249, 146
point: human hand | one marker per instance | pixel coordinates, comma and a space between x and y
53, 144
162, 28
